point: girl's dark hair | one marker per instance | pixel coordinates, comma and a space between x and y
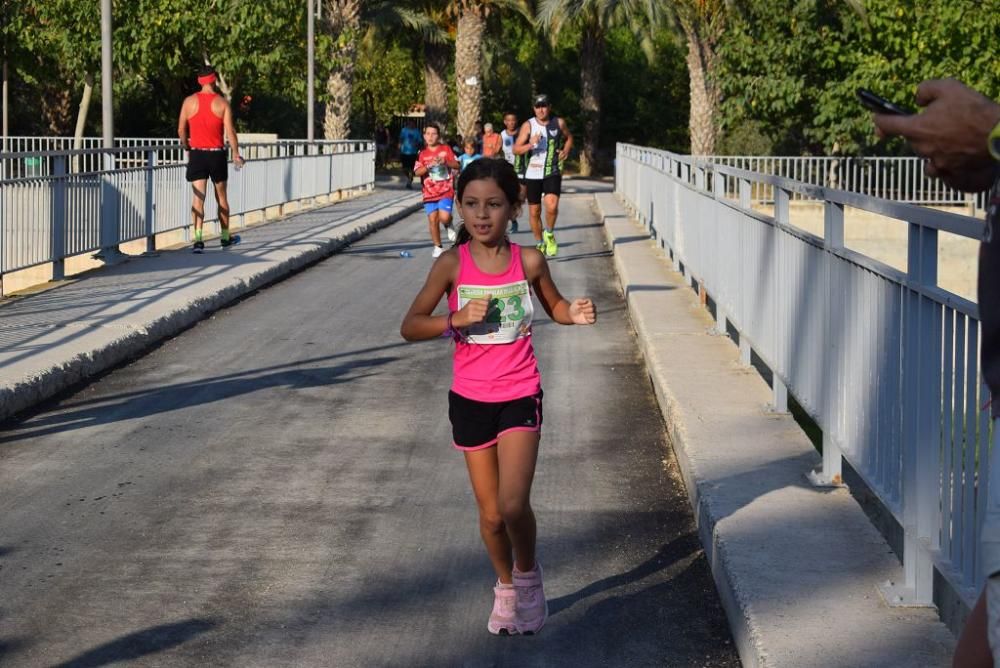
205, 70
497, 169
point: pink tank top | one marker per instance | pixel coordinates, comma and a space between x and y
495, 360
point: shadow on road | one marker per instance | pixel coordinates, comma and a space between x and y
141, 643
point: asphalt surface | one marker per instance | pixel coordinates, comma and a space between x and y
275, 487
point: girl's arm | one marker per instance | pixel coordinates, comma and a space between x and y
580, 311
419, 324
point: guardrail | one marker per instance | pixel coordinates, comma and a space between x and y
128, 193
898, 179
885, 362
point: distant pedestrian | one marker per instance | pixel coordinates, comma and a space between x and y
468, 155
434, 165
492, 143
508, 137
410, 143
205, 120
381, 145
958, 135
495, 402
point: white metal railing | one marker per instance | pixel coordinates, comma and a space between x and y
133, 192
886, 362
898, 179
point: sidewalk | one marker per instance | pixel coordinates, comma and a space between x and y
54, 339
796, 566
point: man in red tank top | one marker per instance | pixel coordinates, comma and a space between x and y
204, 117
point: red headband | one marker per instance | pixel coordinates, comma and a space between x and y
206, 79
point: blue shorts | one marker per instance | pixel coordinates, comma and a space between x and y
440, 205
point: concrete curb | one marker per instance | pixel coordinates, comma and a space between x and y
18, 395
795, 567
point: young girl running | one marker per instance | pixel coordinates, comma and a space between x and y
495, 404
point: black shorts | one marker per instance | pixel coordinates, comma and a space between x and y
479, 424
407, 161
207, 164
550, 185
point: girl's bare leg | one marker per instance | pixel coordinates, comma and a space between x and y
484, 474
517, 452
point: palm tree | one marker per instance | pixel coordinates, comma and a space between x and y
702, 23
470, 28
360, 23
343, 22
595, 18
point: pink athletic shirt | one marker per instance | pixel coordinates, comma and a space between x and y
495, 360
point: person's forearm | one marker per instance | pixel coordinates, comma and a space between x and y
560, 313
235, 143
423, 327
182, 135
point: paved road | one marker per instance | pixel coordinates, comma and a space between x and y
275, 487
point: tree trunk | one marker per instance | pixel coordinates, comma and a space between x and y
436, 83
81, 117
344, 24
701, 62
468, 66
223, 85
591, 82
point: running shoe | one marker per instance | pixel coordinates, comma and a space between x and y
532, 609
452, 234
551, 247
437, 252
232, 241
503, 618
198, 247
540, 246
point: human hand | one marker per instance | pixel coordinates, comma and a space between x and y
950, 133
582, 311
474, 312
239, 161
564, 153
535, 138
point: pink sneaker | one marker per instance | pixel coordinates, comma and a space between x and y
503, 619
532, 608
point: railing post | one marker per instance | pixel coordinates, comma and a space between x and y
779, 392
109, 252
921, 415
745, 193
833, 239
150, 201
59, 218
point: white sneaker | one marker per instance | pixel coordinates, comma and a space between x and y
452, 234
437, 251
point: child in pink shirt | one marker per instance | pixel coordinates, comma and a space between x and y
495, 402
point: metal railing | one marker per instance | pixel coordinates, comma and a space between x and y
886, 362
133, 192
898, 179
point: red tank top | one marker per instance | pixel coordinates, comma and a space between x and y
205, 127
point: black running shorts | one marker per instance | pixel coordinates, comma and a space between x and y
550, 185
479, 424
207, 164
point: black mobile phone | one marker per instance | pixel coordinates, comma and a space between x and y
880, 105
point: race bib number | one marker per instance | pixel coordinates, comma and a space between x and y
509, 314
438, 173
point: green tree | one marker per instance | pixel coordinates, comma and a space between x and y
593, 19
791, 71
